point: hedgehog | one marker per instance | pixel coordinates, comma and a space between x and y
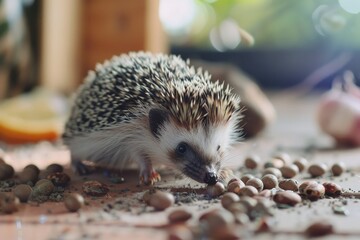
153, 109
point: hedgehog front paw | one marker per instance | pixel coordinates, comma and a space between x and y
149, 177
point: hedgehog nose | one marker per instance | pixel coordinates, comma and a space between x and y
210, 178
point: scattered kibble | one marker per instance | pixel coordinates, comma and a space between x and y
270, 181
301, 163
246, 177
74, 201
289, 171
23, 192
235, 186
59, 179
318, 229
252, 161
289, 184
179, 215
332, 189
43, 188
338, 168
6, 171
216, 189
53, 168
305, 184
317, 170
256, 183
95, 188
287, 198
9, 203
228, 199
248, 191
161, 200
315, 191
274, 171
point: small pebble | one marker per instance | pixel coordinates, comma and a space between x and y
287, 197
215, 190
74, 201
317, 170
6, 171
301, 163
246, 177
289, 184
228, 199
273, 171
180, 215
256, 183
252, 161
161, 200
249, 191
23, 192
332, 189
318, 229
315, 191
289, 171
95, 188
270, 181
53, 168
338, 168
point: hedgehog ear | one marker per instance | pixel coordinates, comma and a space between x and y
157, 117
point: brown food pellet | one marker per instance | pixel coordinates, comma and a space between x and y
32, 167
285, 157
277, 163
256, 183
317, 170
9, 203
59, 179
216, 189
217, 218
147, 195
318, 229
289, 171
305, 184
287, 197
228, 199
315, 191
246, 177
233, 180
332, 189
273, 171
235, 186
23, 192
29, 174
43, 188
161, 200
180, 215
289, 184
53, 168
338, 168
252, 162
301, 163
6, 171
95, 188
266, 193
270, 181
249, 203
248, 191
74, 201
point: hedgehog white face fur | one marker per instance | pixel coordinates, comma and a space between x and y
153, 108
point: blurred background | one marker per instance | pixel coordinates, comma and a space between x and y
279, 44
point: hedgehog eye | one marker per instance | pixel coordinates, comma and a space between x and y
181, 148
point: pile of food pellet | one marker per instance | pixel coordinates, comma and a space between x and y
246, 199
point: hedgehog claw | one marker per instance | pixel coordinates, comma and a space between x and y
149, 177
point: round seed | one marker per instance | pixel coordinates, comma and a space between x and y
179, 215
332, 189
95, 188
318, 229
315, 191
257, 183
53, 168
73, 202
301, 163
59, 179
29, 174
247, 177
228, 199
305, 184
277, 163
252, 162
215, 190
9, 203
23, 192
289, 184
32, 167
287, 197
235, 186
6, 171
161, 200
43, 188
147, 195
269, 164
338, 168
289, 171
273, 171
317, 170
233, 180
270, 181
248, 191
284, 157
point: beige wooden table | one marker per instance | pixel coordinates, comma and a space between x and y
295, 132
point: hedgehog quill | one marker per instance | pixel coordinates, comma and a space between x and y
153, 108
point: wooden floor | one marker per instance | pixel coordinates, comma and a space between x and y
295, 132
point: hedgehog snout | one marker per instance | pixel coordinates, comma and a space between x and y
210, 178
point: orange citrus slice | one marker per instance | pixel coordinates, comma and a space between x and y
32, 117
